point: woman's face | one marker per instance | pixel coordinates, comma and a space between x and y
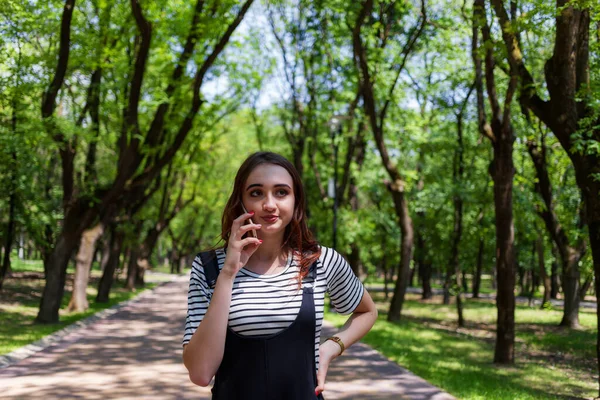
269, 192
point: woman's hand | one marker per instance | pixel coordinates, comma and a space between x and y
327, 352
240, 250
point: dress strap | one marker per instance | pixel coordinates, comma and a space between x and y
211, 267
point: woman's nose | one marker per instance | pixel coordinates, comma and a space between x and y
269, 204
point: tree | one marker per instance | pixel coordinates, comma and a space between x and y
501, 135
570, 110
141, 153
571, 251
376, 107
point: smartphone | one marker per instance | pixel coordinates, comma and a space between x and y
253, 232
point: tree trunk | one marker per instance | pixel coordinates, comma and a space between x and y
146, 250
142, 267
554, 284
586, 286
10, 231
457, 178
505, 255
354, 260
174, 258
570, 284
84, 257
447, 284
427, 272
105, 253
406, 248
132, 267
182, 264
12, 199
480, 250
522, 278
459, 306
594, 228
500, 133
116, 244
531, 287
298, 151
422, 263
386, 280
454, 261
539, 245
478, 270
56, 272
570, 254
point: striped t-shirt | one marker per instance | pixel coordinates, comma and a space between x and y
263, 305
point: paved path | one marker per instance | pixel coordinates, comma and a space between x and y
135, 353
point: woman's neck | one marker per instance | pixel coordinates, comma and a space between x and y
268, 252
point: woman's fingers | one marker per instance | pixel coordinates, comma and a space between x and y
321, 375
239, 222
250, 241
246, 228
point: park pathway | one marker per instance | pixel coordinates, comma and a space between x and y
135, 353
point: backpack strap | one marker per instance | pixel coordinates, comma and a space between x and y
211, 267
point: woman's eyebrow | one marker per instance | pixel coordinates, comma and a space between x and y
261, 185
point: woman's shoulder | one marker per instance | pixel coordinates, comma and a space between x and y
328, 255
326, 251
198, 263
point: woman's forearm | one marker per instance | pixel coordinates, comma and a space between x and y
357, 326
360, 322
204, 353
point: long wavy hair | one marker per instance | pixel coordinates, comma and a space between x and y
297, 237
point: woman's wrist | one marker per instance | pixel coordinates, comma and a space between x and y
339, 342
331, 349
227, 273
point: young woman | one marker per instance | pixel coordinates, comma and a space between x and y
257, 329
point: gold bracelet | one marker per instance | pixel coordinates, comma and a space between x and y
338, 341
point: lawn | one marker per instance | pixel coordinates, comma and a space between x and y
20, 299
373, 280
551, 362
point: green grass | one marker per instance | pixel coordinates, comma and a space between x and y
485, 287
551, 363
18, 265
20, 298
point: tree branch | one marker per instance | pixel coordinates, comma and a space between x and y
49, 98
158, 122
515, 58
406, 50
478, 16
129, 158
66, 148
369, 98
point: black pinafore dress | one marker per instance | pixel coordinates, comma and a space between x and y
277, 367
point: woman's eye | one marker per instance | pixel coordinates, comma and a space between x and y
282, 192
255, 193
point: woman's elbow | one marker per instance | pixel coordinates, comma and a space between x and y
374, 314
200, 379
198, 375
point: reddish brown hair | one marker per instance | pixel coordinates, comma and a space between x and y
297, 237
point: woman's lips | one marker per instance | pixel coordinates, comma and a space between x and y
270, 219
